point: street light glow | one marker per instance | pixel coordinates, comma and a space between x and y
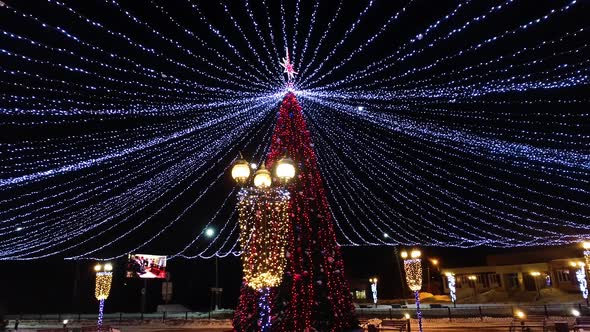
97, 267
209, 232
108, 267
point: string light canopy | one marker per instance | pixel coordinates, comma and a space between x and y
473, 121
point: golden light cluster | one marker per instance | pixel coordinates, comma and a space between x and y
103, 284
264, 223
413, 269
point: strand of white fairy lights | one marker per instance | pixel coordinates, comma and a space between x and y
345, 182
546, 168
487, 198
213, 150
260, 34
573, 140
218, 133
564, 139
362, 47
383, 65
501, 58
258, 155
219, 177
90, 89
295, 30
576, 74
226, 41
341, 41
566, 221
383, 29
87, 60
475, 46
322, 39
332, 181
248, 75
206, 143
274, 73
480, 77
352, 177
534, 156
269, 26
148, 50
329, 174
309, 33
45, 158
166, 77
395, 58
574, 180
408, 199
119, 177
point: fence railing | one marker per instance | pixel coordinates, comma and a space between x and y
475, 311
472, 311
120, 316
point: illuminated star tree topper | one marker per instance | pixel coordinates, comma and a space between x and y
288, 66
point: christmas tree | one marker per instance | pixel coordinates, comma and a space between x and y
313, 294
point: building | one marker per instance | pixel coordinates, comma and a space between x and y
524, 271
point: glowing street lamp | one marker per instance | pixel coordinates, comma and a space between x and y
536, 275
210, 233
373, 282
413, 269
473, 279
104, 279
263, 198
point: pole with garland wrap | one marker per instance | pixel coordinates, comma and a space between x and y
313, 293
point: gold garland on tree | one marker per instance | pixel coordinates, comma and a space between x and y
263, 218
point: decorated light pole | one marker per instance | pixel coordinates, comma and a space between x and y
452, 289
264, 223
413, 269
104, 279
581, 277
373, 282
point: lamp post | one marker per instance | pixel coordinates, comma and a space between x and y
581, 277
413, 269
452, 289
536, 275
264, 223
104, 279
373, 282
434, 262
209, 233
473, 279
